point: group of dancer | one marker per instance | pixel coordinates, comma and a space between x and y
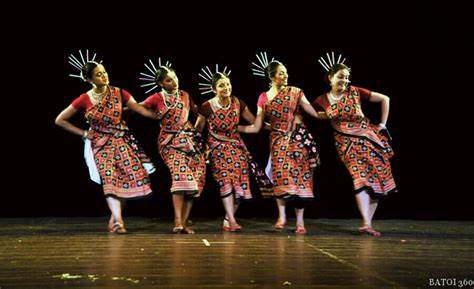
116, 160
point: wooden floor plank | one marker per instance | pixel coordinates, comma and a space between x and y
50, 252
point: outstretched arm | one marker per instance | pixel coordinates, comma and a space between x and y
304, 103
257, 124
62, 120
248, 116
141, 109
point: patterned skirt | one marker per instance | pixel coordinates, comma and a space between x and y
368, 163
120, 162
187, 167
294, 155
230, 169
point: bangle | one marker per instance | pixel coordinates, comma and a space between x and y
84, 135
382, 125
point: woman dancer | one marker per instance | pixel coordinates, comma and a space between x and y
361, 146
229, 157
293, 150
179, 144
117, 162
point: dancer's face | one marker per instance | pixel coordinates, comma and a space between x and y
223, 87
170, 83
340, 80
281, 76
99, 76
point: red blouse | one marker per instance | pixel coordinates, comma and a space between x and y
156, 102
83, 102
321, 101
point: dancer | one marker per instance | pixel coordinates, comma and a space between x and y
179, 143
113, 155
228, 155
293, 150
361, 146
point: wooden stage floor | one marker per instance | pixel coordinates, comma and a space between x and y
79, 253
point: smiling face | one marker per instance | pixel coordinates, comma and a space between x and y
280, 77
339, 81
222, 87
170, 82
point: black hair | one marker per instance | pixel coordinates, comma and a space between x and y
88, 69
218, 76
334, 69
272, 68
161, 73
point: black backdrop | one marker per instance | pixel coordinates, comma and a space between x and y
411, 53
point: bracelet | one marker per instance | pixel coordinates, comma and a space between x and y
382, 125
84, 135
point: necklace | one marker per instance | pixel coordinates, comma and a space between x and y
167, 95
96, 97
334, 97
98, 94
171, 94
223, 106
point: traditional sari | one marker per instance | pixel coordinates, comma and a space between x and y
293, 150
230, 159
179, 143
117, 156
362, 148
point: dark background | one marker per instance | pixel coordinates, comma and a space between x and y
418, 54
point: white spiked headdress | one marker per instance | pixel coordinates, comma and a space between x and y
79, 62
331, 60
148, 77
259, 68
206, 74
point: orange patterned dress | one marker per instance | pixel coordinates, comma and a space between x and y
230, 160
118, 157
178, 142
293, 149
362, 148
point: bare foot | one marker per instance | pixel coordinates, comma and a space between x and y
369, 231
235, 227
187, 230
280, 224
117, 227
301, 230
177, 228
